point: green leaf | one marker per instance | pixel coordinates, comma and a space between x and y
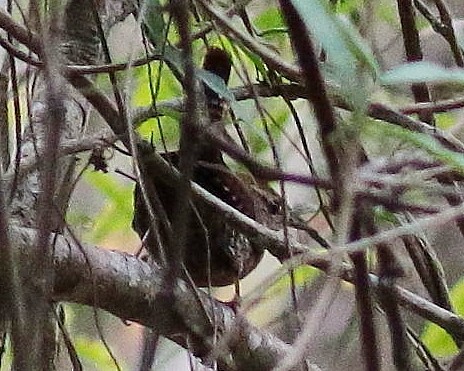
216, 84
154, 23
445, 120
348, 6
270, 22
168, 89
94, 354
256, 60
324, 26
381, 215
156, 29
116, 216
417, 72
169, 125
345, 49
168, 85
303, 274
269, 18
7, 356
257, 138
360, 49
435, 338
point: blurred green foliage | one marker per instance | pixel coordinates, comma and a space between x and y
116, 215
94, 355
435, 338
303, 276
422, 141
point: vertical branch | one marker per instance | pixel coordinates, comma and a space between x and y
325, 115
443, 26
364, 300
40, 321
389, 269
450, 35
429, 269
41, 197
315, 89
16, 104
10, 294
402, 356
175, 254
4, 130
413, 52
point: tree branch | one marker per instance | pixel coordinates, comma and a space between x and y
133, 290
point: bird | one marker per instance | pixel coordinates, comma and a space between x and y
216, 253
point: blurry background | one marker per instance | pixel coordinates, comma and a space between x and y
101, 208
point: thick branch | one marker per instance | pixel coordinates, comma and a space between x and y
132, 290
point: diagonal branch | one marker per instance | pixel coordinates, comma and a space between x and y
133, 290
